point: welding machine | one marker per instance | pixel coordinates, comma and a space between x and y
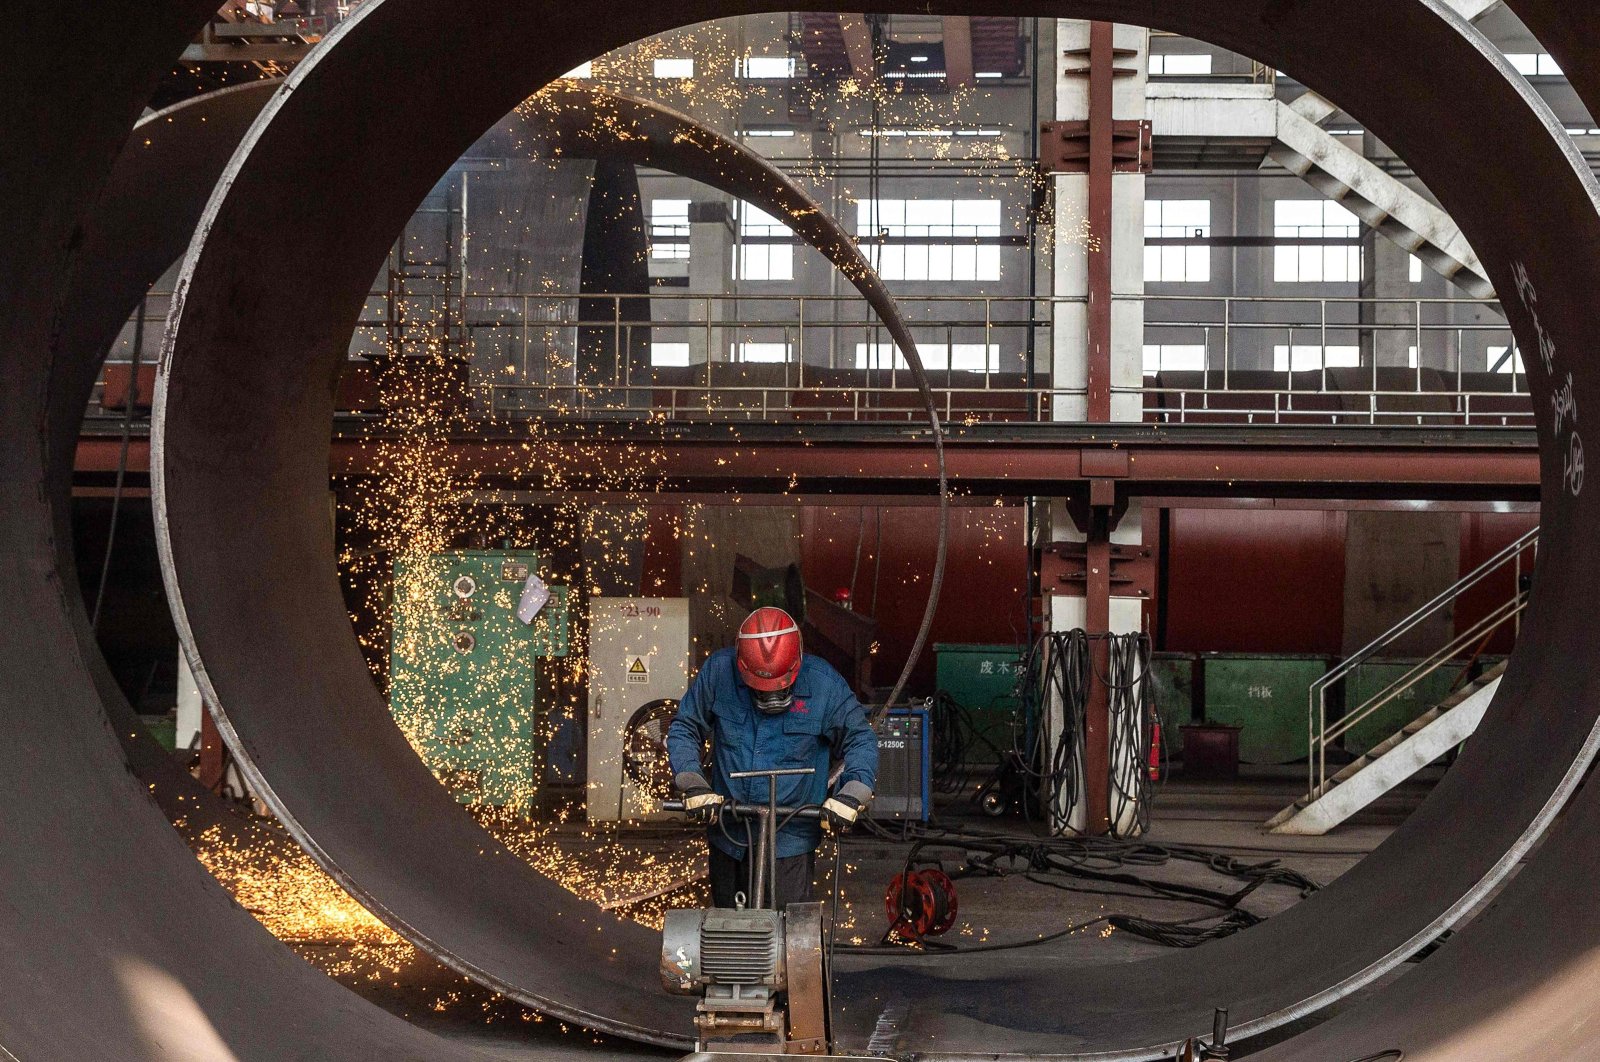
903, 791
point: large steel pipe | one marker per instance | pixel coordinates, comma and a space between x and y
1518, 982
242, 472
392, 796
114, 941
157, 190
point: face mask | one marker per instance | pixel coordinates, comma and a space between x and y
776, 702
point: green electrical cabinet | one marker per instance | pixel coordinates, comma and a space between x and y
1268, 697
463, 670
983, 680
1367, 681
1173, 677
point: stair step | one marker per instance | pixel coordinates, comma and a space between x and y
1384, 204
1304, 816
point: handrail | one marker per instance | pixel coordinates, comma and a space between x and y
988, 341
667, 398
1321, 735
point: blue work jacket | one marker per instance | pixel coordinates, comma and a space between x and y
824, 721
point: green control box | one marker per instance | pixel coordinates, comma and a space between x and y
983, 680
463, 670
1268, 697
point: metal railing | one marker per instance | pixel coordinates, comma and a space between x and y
1181, 405
1322, 733
1271, 360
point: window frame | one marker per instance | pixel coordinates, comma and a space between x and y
1317, 263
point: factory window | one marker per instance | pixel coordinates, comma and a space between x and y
669, 229
962, 357
1177, 263
1311, 358
673, 68
582, 70
776, 353
1534, 64
766, 247
1506, 361
768, 67
1316, 263
669, 354
1416, 270
932, 239
1174, 357
1180, 65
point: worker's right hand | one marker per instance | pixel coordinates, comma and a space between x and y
702, 805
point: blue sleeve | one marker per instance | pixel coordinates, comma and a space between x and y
690, 730
853, 736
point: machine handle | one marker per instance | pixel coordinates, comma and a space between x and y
738, 810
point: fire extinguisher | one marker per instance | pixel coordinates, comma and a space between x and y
1155, 751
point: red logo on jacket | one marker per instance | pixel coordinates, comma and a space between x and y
799, 706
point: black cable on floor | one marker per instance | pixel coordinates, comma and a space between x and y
1058, 861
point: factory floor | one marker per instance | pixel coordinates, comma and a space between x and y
1224, 817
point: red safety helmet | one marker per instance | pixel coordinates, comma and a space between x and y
769, 650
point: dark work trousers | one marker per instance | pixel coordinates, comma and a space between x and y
730, 876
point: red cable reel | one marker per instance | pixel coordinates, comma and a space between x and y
920, 904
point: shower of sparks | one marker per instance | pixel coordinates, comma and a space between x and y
304, 907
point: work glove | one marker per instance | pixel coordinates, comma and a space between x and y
839, 813
701, 805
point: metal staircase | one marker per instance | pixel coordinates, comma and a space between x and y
1381, 201
1442, 249
1331, 799
1235, 126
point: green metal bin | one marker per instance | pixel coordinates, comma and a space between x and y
1174, 676
1267, 697
983, 680
1368, 681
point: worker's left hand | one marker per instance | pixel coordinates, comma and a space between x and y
702, 805
839, 813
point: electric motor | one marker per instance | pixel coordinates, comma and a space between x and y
700, 948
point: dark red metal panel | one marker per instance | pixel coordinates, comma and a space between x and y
662, 566
1482, 536
988, 565
997, 45
1254, 581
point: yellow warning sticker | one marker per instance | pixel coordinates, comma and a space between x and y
638, 671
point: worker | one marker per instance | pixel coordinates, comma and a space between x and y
766, 705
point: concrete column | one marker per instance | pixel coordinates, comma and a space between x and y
1071, 336
1391, 279
711, 250
1098, 346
